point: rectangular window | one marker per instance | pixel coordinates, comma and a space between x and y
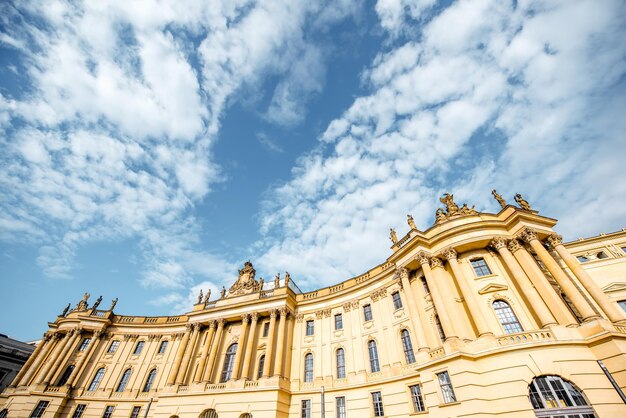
416, 397
139, 347
446, 387
80, 409
480, 267
310, 327
397, 300
108, 411
367, 312
341, 406
135, 413
113, 346
582, 258
306, 409
162, 347
84, 344
39, 409
377, 403
266, 329
338, 321
622, 304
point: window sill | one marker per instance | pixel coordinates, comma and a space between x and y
443, 405
419, 413
488, 276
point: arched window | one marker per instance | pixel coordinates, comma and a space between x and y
442, 334
246, 415
373, 351
259, 373
123, 381
341, 364
66, 375
96, 380
308, 367
552, 396
149, 381
506, 317
407, 346
208, 413
229, 360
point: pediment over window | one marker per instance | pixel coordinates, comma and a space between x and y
614, 287
493, 287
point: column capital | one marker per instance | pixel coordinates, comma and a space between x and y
221, 322
212, 324
245, 318
423, 257
450, 253
402, 272
254, 316
498, 243
97, 334
436, 262
554, 240
514, 245
318, 314
283, 311
273, 313
528, 234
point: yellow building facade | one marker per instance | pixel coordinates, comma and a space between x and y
479, 315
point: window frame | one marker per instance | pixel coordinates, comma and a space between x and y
124, 379
367, 312
229, 363
84, 344
305, 408
139, 347
377, 403
338, 321
162, 347
97, 378
480, 267
397, 300
417, 398
67, 373
506, 317
445, 385
108, 411
340, 353
134, 413
425, 284
541, 395
147, 386
113, 346
310, 327
259, 373
407, 346
309, 365
372, 349
39, 409
79, 410
266, 329
340, 406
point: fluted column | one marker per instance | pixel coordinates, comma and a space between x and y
469, 295
179, 356
69, 350
59, 356
205, 352
559, 275
182, 374
214, 347
610, 308
416, 321
436, 293
33, 359
278, 368
535, 303
555, 303
270, 345
241, 346
60, 339
249, 346
85, 357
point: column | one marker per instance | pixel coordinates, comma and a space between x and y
436, 292
417, 286
610, 308
553, 300
205, 352
69, 350
54, 352
469, 295
179, 356
270, 345
182, 374
249, 346
83, 360
278, 368
535, 303
290, 326
559, 275
418, 329
58, 355
241, 346
34, 360
214, 348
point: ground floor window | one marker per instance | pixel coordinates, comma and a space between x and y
39, 409
554, 397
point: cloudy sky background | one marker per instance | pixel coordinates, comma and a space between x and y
149, 148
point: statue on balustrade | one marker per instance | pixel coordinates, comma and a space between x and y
97, 303
410, 221
393, 236
113, 303
82, 305
67, 308
499, 198
246, 282
200, 296
523, 203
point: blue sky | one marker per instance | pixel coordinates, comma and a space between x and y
150, 148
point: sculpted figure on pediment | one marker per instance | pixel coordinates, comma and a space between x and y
82, 305
448, 200
246, 282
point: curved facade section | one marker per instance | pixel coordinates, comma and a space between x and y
481, 314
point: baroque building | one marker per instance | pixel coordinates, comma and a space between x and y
479, 315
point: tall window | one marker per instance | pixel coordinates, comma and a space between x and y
622, 304
446, 387
96, 380
39, 409
108, 411
229, 360
442, 334
135, 413
310, 327
371, 348
66, 375
416, 398
123, 381
338, 321
139, 347
162, 347
84, 344
377, 403
341, 406
305, 408
80, 409
397, 300
4, 413
507, 317
308, 367
113, 346
553, 392
407, 346
367, 312
341, 364
480, 267
266, 329
425, 285
259, 373
149, 381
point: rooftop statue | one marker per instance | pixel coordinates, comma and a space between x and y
82, 305
410, 221
67, 308
200, 296
246, 282
393, 236
448, 200
207, 297
113, 303
499, 198
522, 202
95, 305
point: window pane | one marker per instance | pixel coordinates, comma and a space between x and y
96, 380
480, 267
408, 347
135, 413
266, 329
261, 364
39, 409
397, 300
373, 352
139, 347
162, 347
367, 312
341, 364
506, 317
341, 407
338, 321
108, 412
416, 397
425, 284
113, 346
377, 403
308, 367
442, 334
229, 360
306, 408
446, 387
123, 381
78, 412
149, 381
310, 327
84, 344
66, 375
